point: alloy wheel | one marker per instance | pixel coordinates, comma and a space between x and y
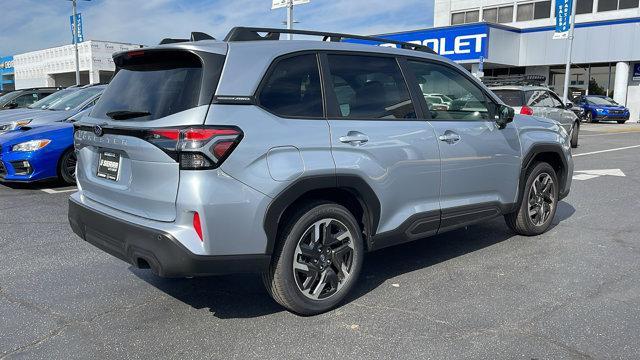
323, 259
70, 165
541, 199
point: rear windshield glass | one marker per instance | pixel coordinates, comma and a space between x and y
47, 101
151, 86
510, 97
75, 99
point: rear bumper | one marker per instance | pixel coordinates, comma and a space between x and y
161, 251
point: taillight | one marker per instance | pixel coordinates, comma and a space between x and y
196, 148
197, 226
525, 110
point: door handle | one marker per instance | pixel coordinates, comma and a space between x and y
449, 137
354, 138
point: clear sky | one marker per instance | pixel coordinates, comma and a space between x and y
28, 25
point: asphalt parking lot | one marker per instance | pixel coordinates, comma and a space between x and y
479, 292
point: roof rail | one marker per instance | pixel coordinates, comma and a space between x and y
535, 80
252, 33
195, 36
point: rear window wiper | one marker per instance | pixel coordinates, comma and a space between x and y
126, 114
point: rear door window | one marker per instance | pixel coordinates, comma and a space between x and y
539, 98
555, 100
510, 97
151, 86
370, 87
292, 88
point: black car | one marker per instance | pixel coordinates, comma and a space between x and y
25, 97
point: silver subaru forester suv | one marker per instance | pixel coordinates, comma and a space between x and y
295, 158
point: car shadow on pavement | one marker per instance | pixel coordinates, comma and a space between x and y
244, 296
38, 185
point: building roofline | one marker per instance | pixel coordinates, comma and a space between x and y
578, 25
89, 40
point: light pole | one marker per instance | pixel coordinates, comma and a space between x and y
75, 37
567, 69
290, 18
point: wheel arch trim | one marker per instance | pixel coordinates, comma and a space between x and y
532, 153
355, 184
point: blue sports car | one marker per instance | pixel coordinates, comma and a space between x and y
36, 153
597, 107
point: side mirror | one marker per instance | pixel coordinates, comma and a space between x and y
504, 115
568, 105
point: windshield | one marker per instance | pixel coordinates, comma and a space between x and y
600, 101
6, 98
47, 101
510, 97
75, 99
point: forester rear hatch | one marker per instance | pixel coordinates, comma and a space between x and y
148, 125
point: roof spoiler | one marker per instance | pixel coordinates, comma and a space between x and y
253, 34
195, 36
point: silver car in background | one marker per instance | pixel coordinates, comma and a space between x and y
527, 98
62, 107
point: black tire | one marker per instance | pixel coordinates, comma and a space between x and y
622, 121
521, 221
67, 167
589, 118
575, 129
284, 283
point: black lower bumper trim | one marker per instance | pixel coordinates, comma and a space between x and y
162, 252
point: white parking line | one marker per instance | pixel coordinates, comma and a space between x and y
608, 150
51, 191
610, 133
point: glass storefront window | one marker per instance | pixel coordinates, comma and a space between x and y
608, 5
628, 4
542, 10
505, 14
490, 15
595, 79
525, 12
584, 7
577, 82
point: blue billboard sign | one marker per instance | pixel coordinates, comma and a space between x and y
6, 70
563, 18
6, 65
636, 72
79, 25
458, 43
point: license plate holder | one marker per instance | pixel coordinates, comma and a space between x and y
109, 165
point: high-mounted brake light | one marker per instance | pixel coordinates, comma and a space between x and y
525, 110
135, 53
196, 148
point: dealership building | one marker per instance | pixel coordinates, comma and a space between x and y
56, 66
502, 37
6, 73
